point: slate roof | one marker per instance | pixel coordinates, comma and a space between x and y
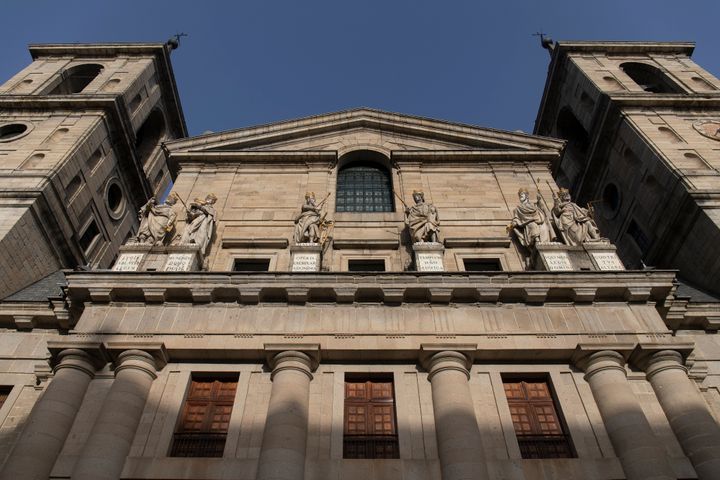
41, 290
696, 295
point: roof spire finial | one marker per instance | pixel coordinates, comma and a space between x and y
545, 41
174, 41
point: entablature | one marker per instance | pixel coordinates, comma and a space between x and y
393, 288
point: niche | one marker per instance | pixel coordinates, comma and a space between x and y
33, 162
670, 136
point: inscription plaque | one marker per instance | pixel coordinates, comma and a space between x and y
179, 262
306, 262
429, 261
128, 262
557, 261
607, 261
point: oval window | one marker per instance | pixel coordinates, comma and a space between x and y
12, 131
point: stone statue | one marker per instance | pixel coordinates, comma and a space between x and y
156, 221
308, 221
530, 222
201, 217
574, 223
422, 219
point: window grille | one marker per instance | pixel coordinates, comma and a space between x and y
364, 187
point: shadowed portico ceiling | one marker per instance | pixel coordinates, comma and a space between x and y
364, 128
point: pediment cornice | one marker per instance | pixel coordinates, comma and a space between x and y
446, 134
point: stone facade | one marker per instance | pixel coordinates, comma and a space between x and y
102, 377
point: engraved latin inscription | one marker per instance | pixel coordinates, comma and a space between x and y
179, 262
429, 262
128, 262
306, 262
607, 261
557, 261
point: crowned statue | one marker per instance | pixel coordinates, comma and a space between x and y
422, 219
156, 221
531, 221
575, 224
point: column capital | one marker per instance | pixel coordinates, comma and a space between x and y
597, 361
85, 356
146, 356
447, 360
303, 358
660, 361
655, 357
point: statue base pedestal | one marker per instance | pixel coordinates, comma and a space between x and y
139, 257
306, 257
590, 256
429, 257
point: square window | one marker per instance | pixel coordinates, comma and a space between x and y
482, 264
251, 265
366, 265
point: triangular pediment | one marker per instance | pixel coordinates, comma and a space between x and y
363, 128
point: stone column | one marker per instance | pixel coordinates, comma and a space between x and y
641, 454
694, 426
458, 437
282, 454
50, 421
107, 447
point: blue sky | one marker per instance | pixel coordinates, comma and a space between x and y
251, 62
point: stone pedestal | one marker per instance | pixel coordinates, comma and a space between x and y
131, 257
50, 421
686, 410
429, 257
137, 257
603, 256
306, 257
282, 454
558, 257
107, 447
641, 454
458, 436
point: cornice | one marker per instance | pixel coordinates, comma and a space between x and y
96, 49
615, 47
389, 288
269, 134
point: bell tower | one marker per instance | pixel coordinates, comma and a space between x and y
81, 129
642, 124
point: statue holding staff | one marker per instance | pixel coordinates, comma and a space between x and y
201, 217
575, 223
530, 223
308, 221
156, 221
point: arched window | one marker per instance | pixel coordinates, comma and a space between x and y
570, 128
364, 186
649, 78
150, 134
75, 79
